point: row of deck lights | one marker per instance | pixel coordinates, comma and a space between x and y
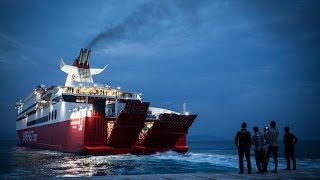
95, 85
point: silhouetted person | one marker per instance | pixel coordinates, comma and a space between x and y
266, 141
258, 140
266, 130
243, 143
273, 148
289, 141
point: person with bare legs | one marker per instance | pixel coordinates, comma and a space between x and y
273, 148
258, 141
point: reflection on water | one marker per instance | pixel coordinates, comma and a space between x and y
28, 162
45, 163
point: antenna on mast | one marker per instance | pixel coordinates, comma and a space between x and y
185, 109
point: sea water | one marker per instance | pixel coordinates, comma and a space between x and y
203, 157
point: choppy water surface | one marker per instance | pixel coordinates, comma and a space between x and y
18, 161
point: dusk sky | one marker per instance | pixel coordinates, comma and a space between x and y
229, 61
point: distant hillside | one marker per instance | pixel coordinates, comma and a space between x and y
8, 136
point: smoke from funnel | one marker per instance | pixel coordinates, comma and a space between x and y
146, 15
143, 16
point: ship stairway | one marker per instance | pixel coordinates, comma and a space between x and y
95, 129
166, 132
128, 125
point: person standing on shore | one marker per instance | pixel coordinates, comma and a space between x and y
243, 143
273, 148
258, 141
289, 141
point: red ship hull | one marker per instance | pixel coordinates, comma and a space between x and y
125, 137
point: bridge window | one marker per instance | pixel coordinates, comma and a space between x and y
76, 99
69, 98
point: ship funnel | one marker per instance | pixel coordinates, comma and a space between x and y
80, 71
84, 53
84, 57
80, 56
88, 57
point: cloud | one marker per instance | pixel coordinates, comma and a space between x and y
294, 23
11, 52
8, 47
173, 47
266, 69
145, 15
149, 22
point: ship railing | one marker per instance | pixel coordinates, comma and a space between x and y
103, 91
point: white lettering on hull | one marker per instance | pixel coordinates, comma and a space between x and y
29, 136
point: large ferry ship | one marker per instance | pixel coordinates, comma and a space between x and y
87, 117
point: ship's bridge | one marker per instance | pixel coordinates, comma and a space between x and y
99, 91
